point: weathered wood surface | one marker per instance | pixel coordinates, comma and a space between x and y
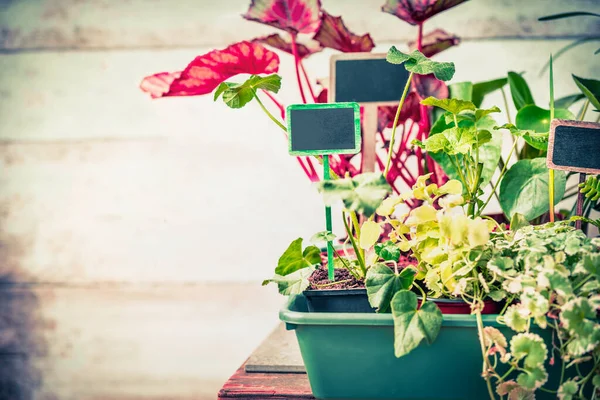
278, 353
251, 385
126, 342
74, 24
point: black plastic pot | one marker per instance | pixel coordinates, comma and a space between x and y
338, 301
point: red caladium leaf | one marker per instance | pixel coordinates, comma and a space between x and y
207, 71
334, 34
276, 41
410, 109
416, 11
294, 16
428, 85
435, 42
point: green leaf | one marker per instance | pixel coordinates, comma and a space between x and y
590, 88
453, 106
568, 390
382, 284
294, 258
238, 95
362, 193
411, 326
388, 251
417, 63
532, 349
519, 90
294, 283
480, 113
537, 140
482, 89
537, 119
322, 237
483, 137
514, 319
461, 91
568, 101
460, 140
578, 317
369, 234
518, 221
567, 15
524, 188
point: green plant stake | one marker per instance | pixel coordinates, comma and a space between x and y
550, 170
321, 130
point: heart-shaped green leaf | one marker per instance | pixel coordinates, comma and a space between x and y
524, 188
454, 106
537, 119
294, 283
238, 95
388, 251
590, 88
382, 284
417, 63
362, 193
519, 90
294, 258
411, 326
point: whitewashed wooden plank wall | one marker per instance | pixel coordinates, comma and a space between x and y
134, 233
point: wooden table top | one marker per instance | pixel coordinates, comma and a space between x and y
258, 385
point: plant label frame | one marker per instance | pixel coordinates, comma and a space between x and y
321, 127
558, 140
370, 106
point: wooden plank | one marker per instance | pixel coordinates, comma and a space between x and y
278, 353
72, 24
128, 342
249, 385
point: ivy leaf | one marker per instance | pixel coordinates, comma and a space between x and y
334, 34
207, 71
416, 11
294, 283
387, 251
294, 16
276, 41
411, 326
363, 193
369, 234
323, 237
568, 390
533, 351
590, 88
524, 188
482, 89
435, 42
382, 284
238, 95
453, 106
519, 90
417, 63
294, 259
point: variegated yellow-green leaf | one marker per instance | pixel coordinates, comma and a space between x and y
515, 317
369, 234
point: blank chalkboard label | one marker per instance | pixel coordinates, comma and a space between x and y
366, 78
319, 129
574, 146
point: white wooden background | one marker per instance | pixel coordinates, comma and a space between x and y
134, 234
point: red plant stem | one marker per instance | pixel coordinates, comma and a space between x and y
308, 174
310, 89
297, 64
420, 37
277, 103
315, 176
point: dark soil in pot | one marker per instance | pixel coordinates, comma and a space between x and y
348, 294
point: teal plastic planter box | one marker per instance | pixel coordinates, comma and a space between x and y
351, 356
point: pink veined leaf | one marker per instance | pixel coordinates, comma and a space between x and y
428, 85
207, 71
435, 42
276, 41
294, 16
416, 11
159, 84
335, 35
410, 109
